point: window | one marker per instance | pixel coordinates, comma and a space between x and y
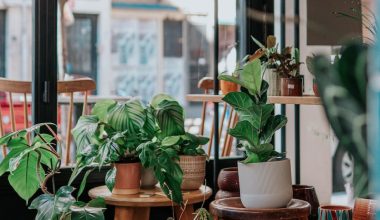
2, 43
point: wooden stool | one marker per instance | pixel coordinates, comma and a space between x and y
232, 208
137, 207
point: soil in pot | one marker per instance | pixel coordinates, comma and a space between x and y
266, 184
194, 171
291, 86
128, 175
274, 81
228, 87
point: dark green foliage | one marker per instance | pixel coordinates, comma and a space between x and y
342, 87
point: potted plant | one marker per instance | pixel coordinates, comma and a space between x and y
31, 162
288, 63
265, 175
265, 53
169, 134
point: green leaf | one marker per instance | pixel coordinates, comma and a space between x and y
15, 151
245, 131
251, 158
261, 114
63, 199
258, 43
157, 99
102, 107
83, 182
84, 131
238, 100
170, 118
97, 203
24, 179
129, 116
274, 123
150, 126
251, 76
110, 178
45, 205
170, 141
86, 213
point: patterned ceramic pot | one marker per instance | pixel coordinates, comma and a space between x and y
334, 212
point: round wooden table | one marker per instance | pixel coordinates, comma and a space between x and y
232, 208
137, 207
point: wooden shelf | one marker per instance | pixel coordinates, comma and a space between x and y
296, 100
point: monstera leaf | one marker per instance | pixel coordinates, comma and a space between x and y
129, 116
343, 92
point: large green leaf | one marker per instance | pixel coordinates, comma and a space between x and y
129, 116
261, 114
84, 131
238, 100
83, 182
24, 179
110, 178
274, 123
102, 107
150, 125
93, 210
251, 75
245, 131
15, 151
157, 99
170, 118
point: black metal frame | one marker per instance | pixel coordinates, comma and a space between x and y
44, 79
297, 148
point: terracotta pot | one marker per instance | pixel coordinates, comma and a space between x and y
274, 81
315, 88
127, 179
328, 212
194, 171
266, 184
364, 209
228, 179
148, 180
222, 194
308, 194
227, 87
291, 86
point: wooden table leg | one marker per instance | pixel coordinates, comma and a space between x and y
132, 213
188, 213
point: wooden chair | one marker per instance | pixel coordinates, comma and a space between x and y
23, 88
207, 85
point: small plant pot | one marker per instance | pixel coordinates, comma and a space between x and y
364, 209
274, 81
291, 86
315, 88
327, 212
148, 180
308, 194
228, 87
228, 179
266, 184
194, 171
127, 179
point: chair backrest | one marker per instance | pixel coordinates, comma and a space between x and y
207, 85
23, 88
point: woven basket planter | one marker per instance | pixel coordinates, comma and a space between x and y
194, 171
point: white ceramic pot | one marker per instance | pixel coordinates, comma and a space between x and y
274, 81
266, 184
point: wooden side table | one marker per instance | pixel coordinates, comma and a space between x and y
232, 208
137, 207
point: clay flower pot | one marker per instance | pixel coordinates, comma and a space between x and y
364, 209
308, 194
148, 180
228, 179
127, 179
291, 86
266, 184
274, 81
228, 87
194, 171
328, 212
315, 88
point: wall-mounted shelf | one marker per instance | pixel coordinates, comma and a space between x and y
296, 100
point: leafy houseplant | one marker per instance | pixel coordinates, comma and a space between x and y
343, 90
255, 129
31, 162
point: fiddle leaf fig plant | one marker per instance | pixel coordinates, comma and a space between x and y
257, 124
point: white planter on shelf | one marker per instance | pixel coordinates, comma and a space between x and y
274, 81
266, 184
